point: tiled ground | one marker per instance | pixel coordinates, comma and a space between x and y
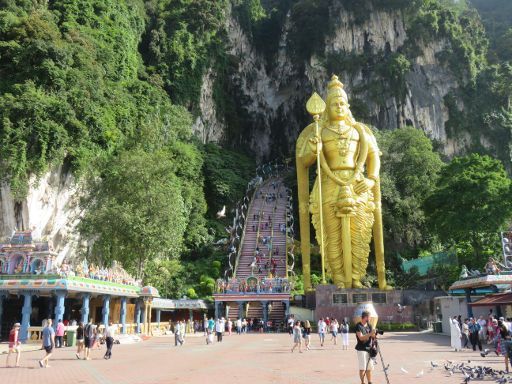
251, 358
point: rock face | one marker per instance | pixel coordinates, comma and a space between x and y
271, 98
273, 95
50, 210
207, 127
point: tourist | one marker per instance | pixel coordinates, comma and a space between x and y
205, 326
110, 332
501, 335
495, 333
465, 334
297, 336
364, 336
219, 329
483, 328
455, 334
490, 329
334, 331
59, 334
238, 326
474, 334
230, 325
290, 325
80, 340
48, 343
179, 330
89, 337
344, 333
97, 336
14, 345
244, 326
322, 328
307, 334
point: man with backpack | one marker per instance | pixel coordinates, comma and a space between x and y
89, 337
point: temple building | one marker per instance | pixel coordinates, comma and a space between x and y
33, 288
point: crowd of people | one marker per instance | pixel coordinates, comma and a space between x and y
215, 328
253, 285
493, 331
89, 336
301, 332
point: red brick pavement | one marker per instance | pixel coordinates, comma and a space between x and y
248, 359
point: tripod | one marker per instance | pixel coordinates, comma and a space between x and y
384, 368
376, 344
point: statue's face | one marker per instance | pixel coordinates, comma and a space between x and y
338, 109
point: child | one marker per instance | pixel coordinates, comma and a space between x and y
14, 344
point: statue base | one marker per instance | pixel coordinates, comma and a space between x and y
393, 306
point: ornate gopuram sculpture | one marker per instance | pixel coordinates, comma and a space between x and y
345, 199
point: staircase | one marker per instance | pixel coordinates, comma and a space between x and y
276, 315
262, 256
265, 219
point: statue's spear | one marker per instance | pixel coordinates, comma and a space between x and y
315, 107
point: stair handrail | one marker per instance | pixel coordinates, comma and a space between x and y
290, 234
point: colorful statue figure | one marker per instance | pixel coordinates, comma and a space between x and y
345, 200
19, 265
464, 273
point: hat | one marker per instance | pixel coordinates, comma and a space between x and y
17, 325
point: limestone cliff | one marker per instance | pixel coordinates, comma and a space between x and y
50, 210
271, 95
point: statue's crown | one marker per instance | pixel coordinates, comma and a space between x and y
335, 89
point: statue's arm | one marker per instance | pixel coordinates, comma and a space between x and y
373, 158
304, 152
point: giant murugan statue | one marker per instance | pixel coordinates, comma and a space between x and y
345, 200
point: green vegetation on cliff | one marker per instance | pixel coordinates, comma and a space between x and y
77, 85
112, 87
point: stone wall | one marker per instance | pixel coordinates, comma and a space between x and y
417, 305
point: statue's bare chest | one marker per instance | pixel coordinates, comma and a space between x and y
340, 147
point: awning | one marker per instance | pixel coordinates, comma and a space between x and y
493, 300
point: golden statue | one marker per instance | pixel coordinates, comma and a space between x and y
347, 188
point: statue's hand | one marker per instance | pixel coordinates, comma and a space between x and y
315, 144
363, 185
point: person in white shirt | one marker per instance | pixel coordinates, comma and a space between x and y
322, 328
179, 329
239, 326
110, 332
290, 325
483, 328
219, 329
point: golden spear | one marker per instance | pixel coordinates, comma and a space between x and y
315, 107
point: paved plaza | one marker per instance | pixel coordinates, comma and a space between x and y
251, 358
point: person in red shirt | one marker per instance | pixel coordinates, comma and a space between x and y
14, 344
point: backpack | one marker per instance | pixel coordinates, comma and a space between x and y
344, 328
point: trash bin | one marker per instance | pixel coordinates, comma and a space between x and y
71, 338
438, 327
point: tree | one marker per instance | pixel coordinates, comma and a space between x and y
473, 200
166, 275
410, 168
135, 212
